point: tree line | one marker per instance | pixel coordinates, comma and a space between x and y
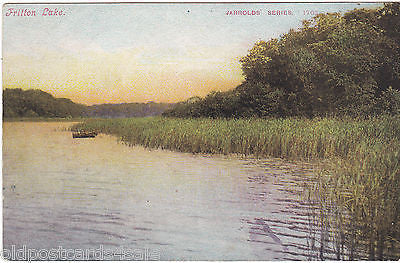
37, 103
127, 110
333, 65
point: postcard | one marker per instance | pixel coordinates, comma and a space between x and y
201, 131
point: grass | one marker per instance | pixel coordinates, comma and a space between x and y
359, 187
285, 138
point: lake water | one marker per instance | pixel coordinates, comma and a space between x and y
99, 193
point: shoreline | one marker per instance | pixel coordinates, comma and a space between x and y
285, 138
356, 187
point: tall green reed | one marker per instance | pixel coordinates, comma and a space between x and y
358, 187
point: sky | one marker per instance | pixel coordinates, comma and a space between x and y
121, 53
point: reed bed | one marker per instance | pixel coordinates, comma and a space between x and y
358, 186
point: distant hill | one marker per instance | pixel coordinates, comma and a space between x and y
37, 103
126, 110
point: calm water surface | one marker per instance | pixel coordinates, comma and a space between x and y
83, 193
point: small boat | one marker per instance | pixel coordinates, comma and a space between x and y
84, 134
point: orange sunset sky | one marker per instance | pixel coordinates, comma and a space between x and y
116, 53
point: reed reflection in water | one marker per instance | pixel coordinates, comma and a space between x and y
82, 193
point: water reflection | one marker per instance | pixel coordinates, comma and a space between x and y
82, 193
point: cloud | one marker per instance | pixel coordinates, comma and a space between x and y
88, 74
74, 45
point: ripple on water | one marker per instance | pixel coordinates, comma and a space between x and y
192, 207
